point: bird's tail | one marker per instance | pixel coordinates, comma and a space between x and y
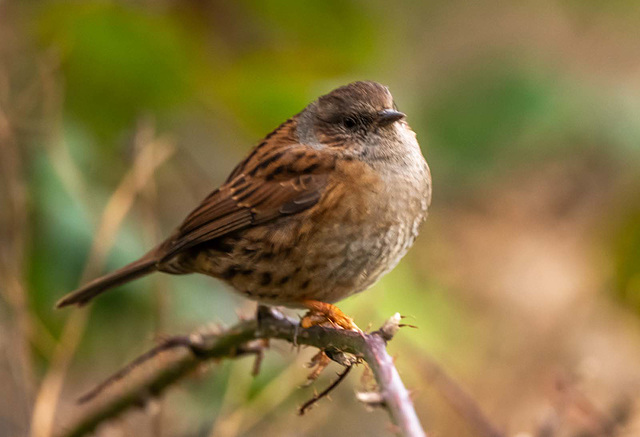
137, 269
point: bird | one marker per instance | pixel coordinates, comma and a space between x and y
322, 208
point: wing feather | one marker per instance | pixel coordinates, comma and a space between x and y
255, 195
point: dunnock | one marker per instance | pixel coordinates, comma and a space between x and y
323, 207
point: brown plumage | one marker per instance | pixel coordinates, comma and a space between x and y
324, 206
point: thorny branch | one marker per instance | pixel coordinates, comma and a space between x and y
152, 373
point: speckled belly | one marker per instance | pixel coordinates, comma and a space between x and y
295, 259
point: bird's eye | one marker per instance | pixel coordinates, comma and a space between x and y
349, 122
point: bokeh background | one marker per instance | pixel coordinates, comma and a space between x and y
118, 117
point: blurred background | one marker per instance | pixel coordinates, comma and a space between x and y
117, 118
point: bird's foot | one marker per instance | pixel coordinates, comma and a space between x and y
322, 314
318, 363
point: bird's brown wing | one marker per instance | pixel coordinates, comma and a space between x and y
269, 185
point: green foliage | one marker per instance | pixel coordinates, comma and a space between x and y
119, 62
478, 116
627, 261
61, 231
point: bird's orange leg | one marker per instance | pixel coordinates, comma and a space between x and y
322, 313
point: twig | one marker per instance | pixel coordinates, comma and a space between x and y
326, 391
144, 136
150, 377
460, 400
122, 373
120, 202
14, 240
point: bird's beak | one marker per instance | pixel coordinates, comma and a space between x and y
388, 116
